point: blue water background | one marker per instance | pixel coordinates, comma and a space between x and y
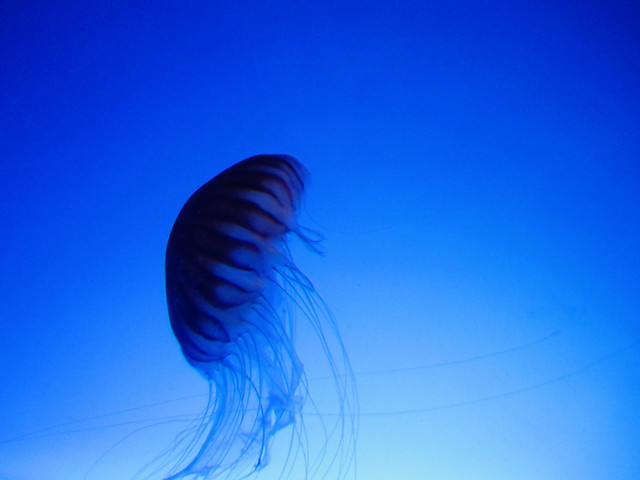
475, 171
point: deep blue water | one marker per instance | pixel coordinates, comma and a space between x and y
475, 171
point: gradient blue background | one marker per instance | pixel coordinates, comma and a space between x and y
476, 171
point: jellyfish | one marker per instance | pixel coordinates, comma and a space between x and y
234, 297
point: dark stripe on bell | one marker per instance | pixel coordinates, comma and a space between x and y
194, 318
204, 283
243, 213
219, 247
258, 182
275, 161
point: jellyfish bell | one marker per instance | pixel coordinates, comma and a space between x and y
234, 295
221, 250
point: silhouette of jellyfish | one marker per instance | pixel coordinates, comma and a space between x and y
232, 293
